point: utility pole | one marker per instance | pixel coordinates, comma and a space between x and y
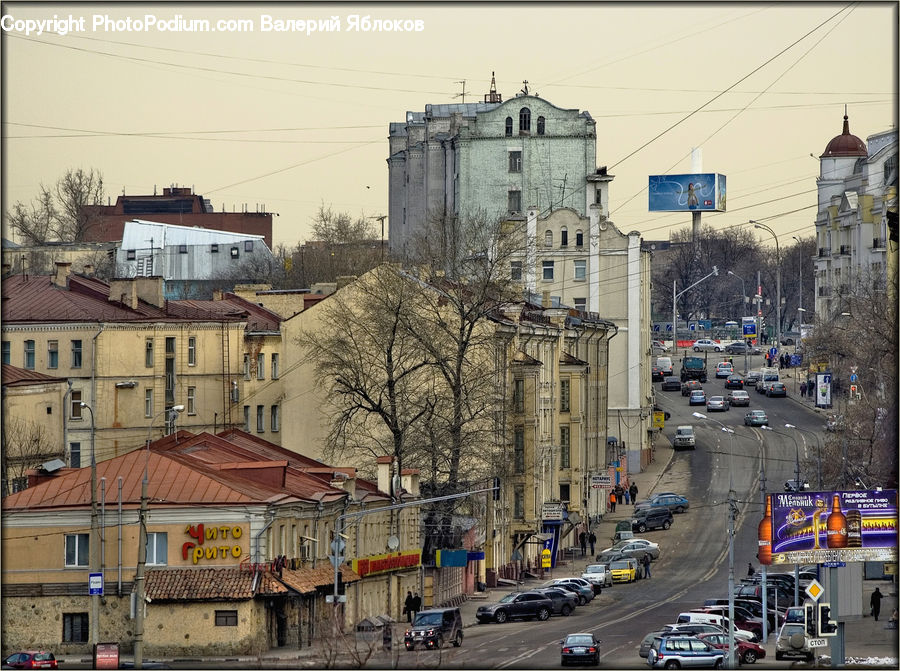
94, 543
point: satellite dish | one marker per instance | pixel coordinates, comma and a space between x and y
393, 543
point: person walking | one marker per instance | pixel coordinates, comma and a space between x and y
750, 570
416, 604
620, 492
628, 496
592, 539
646, 562
408, 606
634, 492
803, 389
612, 500
875, 601
582, 540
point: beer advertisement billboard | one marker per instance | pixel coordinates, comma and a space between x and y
687, 193
839, 526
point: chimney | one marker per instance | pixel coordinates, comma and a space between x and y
545, 300
409, 480
61, 279
151, 290
345, 481
384, 464
123, 290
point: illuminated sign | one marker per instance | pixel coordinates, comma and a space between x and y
836, 526
390, 561
219, 549
687, 193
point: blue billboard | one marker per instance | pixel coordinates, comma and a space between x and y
687, 193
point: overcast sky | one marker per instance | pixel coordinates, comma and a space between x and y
286, 120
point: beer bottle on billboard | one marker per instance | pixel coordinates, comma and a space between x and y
836, 525
854, 529
764, 553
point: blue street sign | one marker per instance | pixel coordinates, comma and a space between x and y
773, 351
95, 584
854, 377
834, 564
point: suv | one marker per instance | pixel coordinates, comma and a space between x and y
672, 652
434, 626
792, 641
651, 518
684, 437
524, 605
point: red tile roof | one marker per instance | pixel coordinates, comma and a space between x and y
209, 584
19, 377
306, 580
257, 317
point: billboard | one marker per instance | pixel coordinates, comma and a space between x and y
687, 193
817, 527
823, 390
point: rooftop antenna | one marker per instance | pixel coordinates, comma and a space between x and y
463, 94
493, 96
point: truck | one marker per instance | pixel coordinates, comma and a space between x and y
693, 368
684, 437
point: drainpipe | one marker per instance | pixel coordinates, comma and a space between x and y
319, 508
65, 415
119, 558
103, 528
94, 366
256, 553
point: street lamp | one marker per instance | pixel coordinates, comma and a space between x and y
170, 413
715, 271
95, 541
731, 515
756, 224
818, 451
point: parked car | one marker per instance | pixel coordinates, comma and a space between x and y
747, 651
564, 601
690, 385
581, 647
743, 619
754, 607
635, 548
776, 594
674, 502
651, 518
659, 347
670, 383
31, 659
756, 418
734, 381
624, 570
793, 642
433, 627
656, 374
716, 403
738, 397
583, 587
684, 437
519, 605
697, 397
703, 617
776, 389
674, 652
707, 345
598, 575
740, 347
793, 485
647, 641
724, 369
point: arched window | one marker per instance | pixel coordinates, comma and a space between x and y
508, 126
579, 239
548, 238
524, 120
564, 237
540, 125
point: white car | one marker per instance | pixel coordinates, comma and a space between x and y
707, 345
658, 347
598, 575
724, 369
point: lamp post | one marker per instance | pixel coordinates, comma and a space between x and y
800, 300
715, 271
756, 224
743, 311
95, 540
818, 452
731, 515
170, 413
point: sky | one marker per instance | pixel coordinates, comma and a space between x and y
284, 121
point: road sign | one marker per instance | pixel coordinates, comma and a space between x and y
773, 351
545, 558
336, 561
338, 545
818, 643
95, 584
834, 564
342, 598
814, 590
552, 511
598, 481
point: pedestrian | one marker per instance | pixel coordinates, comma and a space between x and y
634, 492
408, 606
876, 603
750, 570
628, 496
620, 493
592, 539
646, 562
803, 389
417, 604
612, 500
582, 540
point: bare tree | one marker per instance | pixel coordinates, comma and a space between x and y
26, 445
340, 245
34, 222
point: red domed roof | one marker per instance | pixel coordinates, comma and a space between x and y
845, 144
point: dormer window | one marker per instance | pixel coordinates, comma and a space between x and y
524, 120
548, 238
564, 237
509, 126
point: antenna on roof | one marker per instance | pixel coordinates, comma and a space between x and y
493, 96
463, 94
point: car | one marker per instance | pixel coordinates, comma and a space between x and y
752, 377
716, 403
794, 485
582, 587
684, 437
724, 369
674, 502
707, 345
598, 575
634, 548
674, 652
580, 647
647, 641
516, 605
701, 616
665, 364
740, 347
776, 595
433, 627
761, 385
31, 659
651, 518
752, 606
564, 601
659, 347
793, 642
747, 651
756, 418
624, 570
697, 397
734, 381
670, 383
690, 385
776, 389
743, 618
656, 374
738, 397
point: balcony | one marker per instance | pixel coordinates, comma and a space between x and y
878, 243
845, 250
824, 292
824, 252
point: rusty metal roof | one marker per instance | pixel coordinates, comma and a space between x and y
306, 580
209, 584
258, 318
13, 376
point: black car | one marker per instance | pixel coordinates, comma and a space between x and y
651, 518
741, 348
434, 626
582, 647
670, 383
776, 389
564, 601
656, 374
734, 381
522, 605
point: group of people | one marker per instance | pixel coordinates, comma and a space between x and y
783, 361
618, 493
584, 539
412, 605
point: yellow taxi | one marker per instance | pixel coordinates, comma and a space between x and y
623, 570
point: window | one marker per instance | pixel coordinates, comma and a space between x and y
214, 249
260, 366
148, 353
564, 451
564, 237
260, 418
157, 548
148, 403
564, 395
76, 354
547, 270
247, 418
53, 354
246, 366
276, 420
6, 351
274, 366
519, 450
519, 502
581, 304
581, 269
514, 200
192, 350
248, 245
548, 238
519, 395
579, 239
170, 371
541, 125
130, 255
508, 126
75, 628
76, 405
77, 548
226, 618
524, 120
515, 161
182, 249
75, 455
191, 396
515, 271
29, 354
565, 492
235, 253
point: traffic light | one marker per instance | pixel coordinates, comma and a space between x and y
826, 626
809, 619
